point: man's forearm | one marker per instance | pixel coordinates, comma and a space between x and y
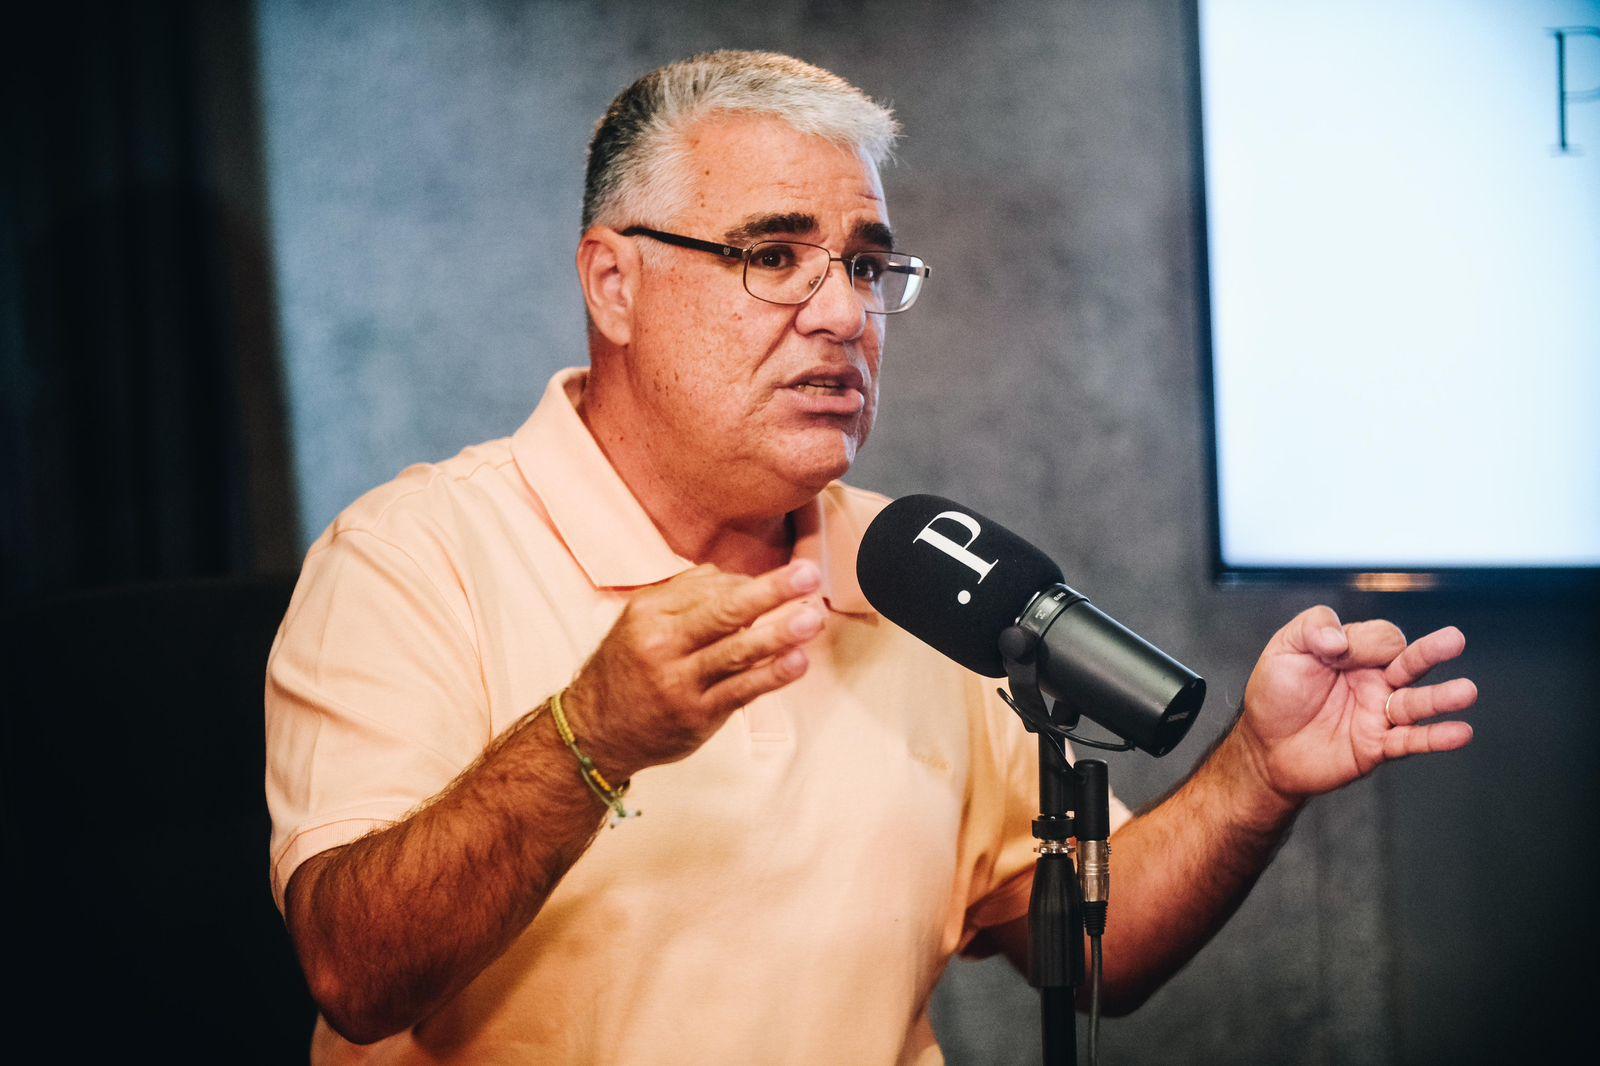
391, 926
1183, 868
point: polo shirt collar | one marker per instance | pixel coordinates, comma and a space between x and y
611, 536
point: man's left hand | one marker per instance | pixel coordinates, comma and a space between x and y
1328, 703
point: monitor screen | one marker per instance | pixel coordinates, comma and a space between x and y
1402, 235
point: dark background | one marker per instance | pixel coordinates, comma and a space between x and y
256, 258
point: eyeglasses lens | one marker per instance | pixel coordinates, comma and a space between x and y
784, 272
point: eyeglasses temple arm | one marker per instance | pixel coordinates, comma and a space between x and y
727, 251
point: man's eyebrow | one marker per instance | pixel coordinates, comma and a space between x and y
801, 224
756, 227
873, 233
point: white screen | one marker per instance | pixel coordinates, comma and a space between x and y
1405, 282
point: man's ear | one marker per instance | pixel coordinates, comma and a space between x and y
608, 270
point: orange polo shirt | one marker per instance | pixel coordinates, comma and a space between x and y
794, 888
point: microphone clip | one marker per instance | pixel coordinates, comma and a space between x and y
1050, 718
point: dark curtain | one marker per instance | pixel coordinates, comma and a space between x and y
142, 447
142, 418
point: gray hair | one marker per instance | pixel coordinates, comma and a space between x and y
635, 173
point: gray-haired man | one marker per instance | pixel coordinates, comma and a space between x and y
651, 583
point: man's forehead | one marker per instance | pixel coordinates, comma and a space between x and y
761, 177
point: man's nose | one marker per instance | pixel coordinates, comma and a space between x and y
835, 308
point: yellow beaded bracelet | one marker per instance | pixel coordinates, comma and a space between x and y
611, 797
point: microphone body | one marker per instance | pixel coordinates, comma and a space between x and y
958, 581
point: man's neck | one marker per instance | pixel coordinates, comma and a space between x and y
691, 518
752, 548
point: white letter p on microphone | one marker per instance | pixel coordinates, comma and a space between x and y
961, 553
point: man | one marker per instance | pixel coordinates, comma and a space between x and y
644, 602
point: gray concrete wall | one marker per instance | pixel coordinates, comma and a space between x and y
425, 163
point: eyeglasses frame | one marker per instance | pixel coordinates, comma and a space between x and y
728, 251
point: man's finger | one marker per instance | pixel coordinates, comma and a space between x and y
733, 606
1409, 705
1423, 739
1316, 630
1374, 643
1423, 655
775, 673
746, 647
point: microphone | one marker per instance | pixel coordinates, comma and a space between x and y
966, 585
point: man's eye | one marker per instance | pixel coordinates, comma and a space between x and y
869, 268
773, 257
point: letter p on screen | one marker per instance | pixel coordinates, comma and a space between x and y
1566, 37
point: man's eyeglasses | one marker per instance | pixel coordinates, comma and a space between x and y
790, 272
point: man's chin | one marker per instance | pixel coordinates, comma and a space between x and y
814, 464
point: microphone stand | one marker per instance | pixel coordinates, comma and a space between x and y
1055, 916
1073, 804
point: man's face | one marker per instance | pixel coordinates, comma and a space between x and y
755, 394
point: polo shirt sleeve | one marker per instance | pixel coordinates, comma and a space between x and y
374, 695
1000, 891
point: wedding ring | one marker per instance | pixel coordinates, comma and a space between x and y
1387, 716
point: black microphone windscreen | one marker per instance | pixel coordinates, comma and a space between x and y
950, 577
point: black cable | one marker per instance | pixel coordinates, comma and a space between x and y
1094, 1001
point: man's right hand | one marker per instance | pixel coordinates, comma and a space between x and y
683, 656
